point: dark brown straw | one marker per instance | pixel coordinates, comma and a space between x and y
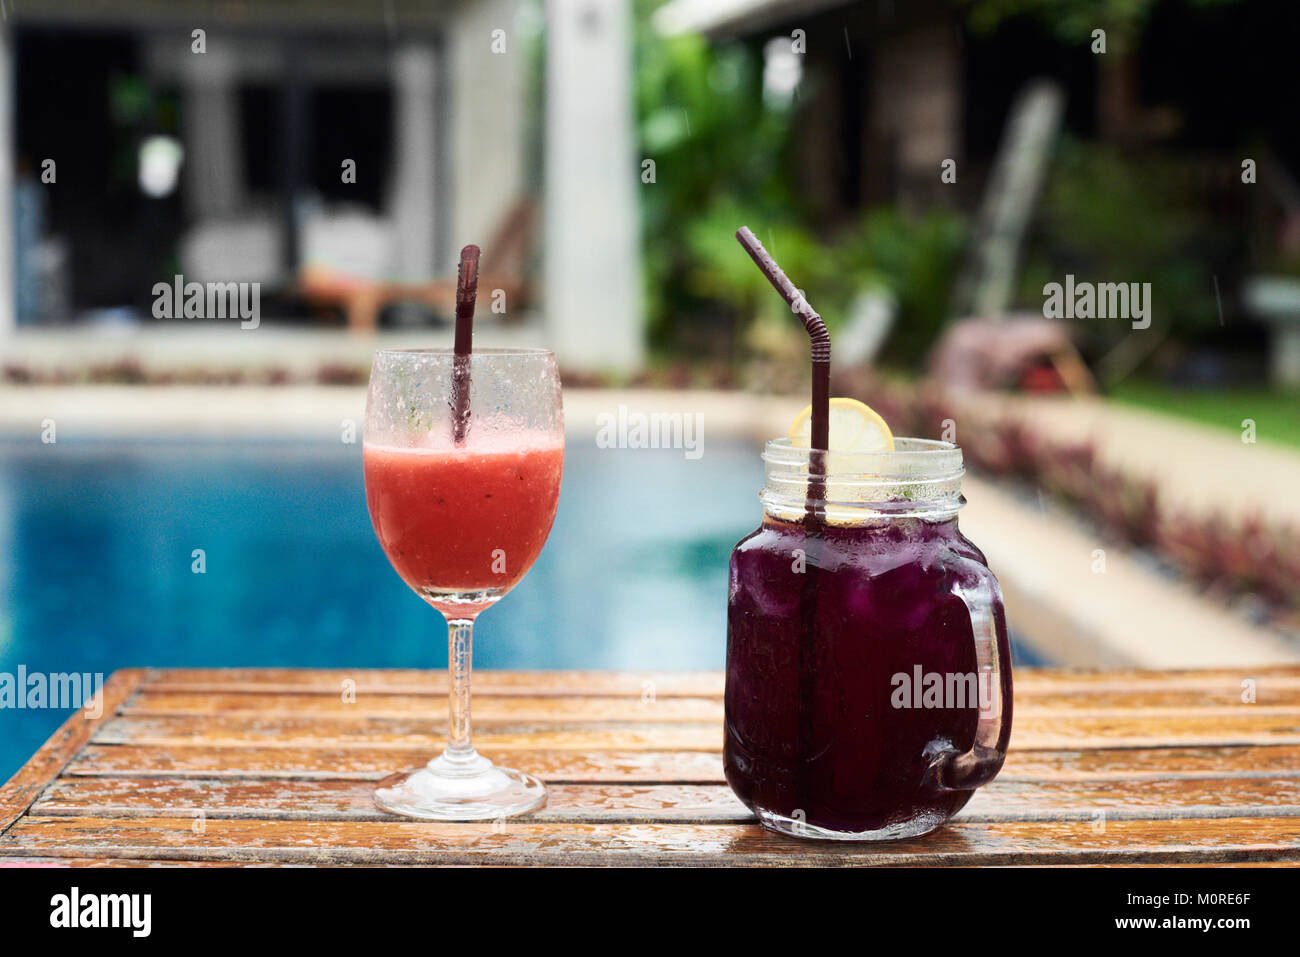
466, 292
821, 338
814, 511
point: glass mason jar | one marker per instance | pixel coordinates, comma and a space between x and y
868, 672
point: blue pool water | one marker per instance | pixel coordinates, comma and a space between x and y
95, 565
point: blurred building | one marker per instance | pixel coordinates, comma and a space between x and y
889, 90
886, 93
338, 152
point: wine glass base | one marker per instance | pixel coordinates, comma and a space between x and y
437, 792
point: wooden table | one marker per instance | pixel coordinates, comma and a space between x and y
276, 766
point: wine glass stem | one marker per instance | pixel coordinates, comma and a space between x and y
460, 652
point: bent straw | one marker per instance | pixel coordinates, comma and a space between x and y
466, 292
814, 508
817, 332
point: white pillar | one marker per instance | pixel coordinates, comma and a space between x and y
8, 292
592, 255
413, 197
488, 121
213, 170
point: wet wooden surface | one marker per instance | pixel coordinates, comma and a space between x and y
274, 766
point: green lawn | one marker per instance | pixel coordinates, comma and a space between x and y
1276, 414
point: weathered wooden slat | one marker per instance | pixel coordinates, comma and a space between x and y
28, 782
650, 766
1133, 729
663, 803
1106, 768
360, 730
1063, 681
116, 862
351, 800
1147, 865
1144, 799
487, 708
1270, 698
434, 682
524, 842
375, 763
61, 862
1265, 693
1116, 764
1050, 768
1152, 706
1129, 729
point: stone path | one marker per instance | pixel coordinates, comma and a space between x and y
1127, 615
1199, 468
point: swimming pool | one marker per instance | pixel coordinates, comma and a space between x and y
96, 544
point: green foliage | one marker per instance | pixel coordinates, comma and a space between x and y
721, 161
715, 145
1110, 217
913, 257
1071, 20
720, 271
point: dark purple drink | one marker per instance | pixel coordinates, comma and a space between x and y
860, 660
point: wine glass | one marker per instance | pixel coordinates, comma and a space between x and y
462, 513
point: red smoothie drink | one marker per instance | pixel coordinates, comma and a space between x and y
468, 519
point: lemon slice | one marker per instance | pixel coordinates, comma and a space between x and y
854, 427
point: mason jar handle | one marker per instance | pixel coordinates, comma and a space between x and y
954, 770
